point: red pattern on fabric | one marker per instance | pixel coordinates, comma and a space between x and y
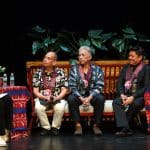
19, 120
19, 103
147, 104
20, 95
18, 134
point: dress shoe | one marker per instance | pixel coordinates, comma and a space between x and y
44, 132
78, 131
54, 131
97, 131
125, 132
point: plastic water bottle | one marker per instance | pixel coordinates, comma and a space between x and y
12, 79
4, 80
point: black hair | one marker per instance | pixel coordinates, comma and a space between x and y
138, 50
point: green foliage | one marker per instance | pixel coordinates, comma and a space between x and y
2, 69
69, 42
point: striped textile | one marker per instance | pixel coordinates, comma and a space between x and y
20, 95
147, 108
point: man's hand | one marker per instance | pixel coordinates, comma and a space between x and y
86, 100
128, 100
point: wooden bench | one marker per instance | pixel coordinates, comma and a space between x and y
111, 70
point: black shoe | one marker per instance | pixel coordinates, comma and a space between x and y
124, 132
44, 132
54, 131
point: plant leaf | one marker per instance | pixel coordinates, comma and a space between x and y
38, 29
84, 42
65, 48
118, 44
94, 33
128, 30
36, 46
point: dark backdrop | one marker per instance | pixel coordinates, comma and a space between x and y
18, 17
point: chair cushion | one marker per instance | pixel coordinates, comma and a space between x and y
107, 107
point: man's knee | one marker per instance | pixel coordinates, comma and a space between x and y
71, 99
99, 98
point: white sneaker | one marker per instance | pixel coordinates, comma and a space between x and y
2, 142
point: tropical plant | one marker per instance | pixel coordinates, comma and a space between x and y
128, 37
2, 69
68, 42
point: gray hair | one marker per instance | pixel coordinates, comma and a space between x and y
87, 48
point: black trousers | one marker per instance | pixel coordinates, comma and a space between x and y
124, 118
97, 102
6, 114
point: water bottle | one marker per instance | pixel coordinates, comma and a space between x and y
12, 79
4, 80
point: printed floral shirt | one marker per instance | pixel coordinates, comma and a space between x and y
60, 80
95, 85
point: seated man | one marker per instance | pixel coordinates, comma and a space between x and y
86, 82
133, 81
50, 86
6, 116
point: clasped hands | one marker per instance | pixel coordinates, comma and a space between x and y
85, 100
126, 100
51, 98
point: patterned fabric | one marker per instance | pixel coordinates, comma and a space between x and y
131, 75
95, 85
60, 81
142, 82
147, 107
20, 95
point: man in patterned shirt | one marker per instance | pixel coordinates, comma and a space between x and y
50, 85
86, 82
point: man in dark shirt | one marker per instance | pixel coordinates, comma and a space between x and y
134, 79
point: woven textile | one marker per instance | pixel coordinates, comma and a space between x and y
20, 95
147, 107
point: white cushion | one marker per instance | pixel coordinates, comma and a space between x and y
107, 107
